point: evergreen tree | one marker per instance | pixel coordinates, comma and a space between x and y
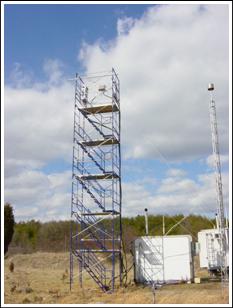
9, 222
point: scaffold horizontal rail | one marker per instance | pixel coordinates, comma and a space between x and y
98, 250
102, 176
106, 240
93, 143
100, 213
99, 109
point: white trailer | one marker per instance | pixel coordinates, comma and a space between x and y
209, 249
163, 259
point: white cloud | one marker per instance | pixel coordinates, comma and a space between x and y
19, 77
165, 61
124, 25
13, 166
38, 124
224, 159
34, 194
176, 185
174, 195
60, 181
53, 69
176, 172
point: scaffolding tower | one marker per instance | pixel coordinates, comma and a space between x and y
96, 230
220, 206
211, 252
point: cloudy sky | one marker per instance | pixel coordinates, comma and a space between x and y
165, 56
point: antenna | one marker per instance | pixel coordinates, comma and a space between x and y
220, 206
146, 221
163, 225
217, 221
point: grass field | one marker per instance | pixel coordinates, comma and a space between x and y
43, 278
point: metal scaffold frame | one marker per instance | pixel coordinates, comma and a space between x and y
96, 230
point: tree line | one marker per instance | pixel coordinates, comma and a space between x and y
54, 236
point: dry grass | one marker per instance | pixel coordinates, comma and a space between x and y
43, 278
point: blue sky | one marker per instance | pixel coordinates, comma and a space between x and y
164, 59
36, 32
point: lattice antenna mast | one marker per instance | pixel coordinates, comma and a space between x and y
217, 165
